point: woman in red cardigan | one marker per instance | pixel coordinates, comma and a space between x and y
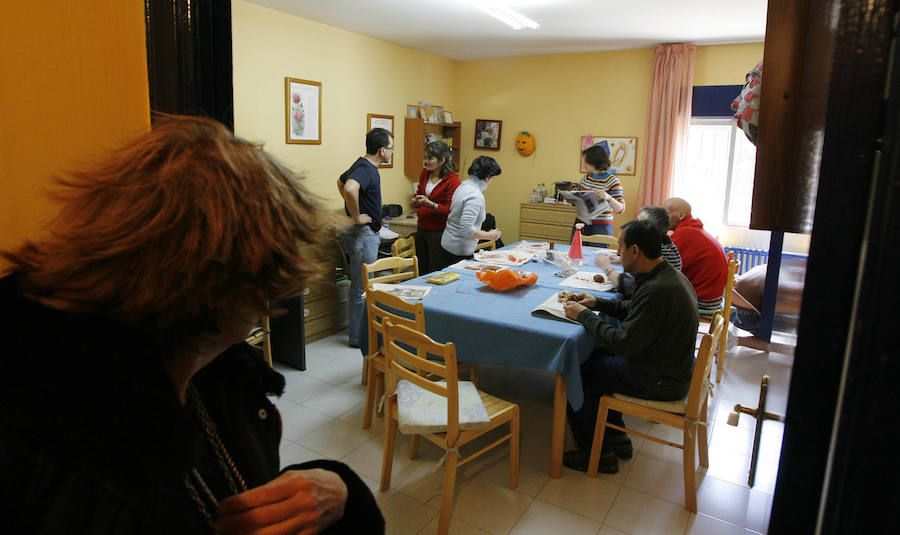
437, 183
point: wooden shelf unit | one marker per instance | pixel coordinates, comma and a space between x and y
414, 143
546, 222
319, 311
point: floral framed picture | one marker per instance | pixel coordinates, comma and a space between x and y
302, 111
373, 120
412, 111
487, 134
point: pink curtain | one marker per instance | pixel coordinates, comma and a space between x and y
668, 118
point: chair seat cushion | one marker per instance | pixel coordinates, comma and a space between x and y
675, 407
421, 411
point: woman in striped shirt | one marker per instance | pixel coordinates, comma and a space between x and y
601, 179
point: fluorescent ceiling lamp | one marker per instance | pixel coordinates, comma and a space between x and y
505, 14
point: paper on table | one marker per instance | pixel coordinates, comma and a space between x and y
387, 234
552, 309
467, 264
506, 258
585, 281
404, 291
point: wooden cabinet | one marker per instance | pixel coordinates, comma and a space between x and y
320, 311
546, 222
414, 143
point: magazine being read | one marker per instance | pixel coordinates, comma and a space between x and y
588, 205
553, 309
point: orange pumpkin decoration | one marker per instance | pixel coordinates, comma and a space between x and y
525, 143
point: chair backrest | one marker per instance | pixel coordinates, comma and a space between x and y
382, 305
404, 247
733, 267
702, 366
402, 269
489, 245
414, 367
600, 239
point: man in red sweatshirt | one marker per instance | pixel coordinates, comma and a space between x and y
702, 257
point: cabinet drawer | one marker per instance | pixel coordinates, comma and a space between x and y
555, 232
323, 323
552, 215
319, 307
319, 291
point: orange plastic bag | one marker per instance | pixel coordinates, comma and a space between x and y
506, 279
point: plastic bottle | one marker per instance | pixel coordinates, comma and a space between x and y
533, 195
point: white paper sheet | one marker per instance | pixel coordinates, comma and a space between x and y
404, 291
585, 281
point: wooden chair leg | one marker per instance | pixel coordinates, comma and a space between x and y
597, 444
379, 392
365, 372
720, 359
702, 435
514, 450
413, 446
690, 484
387, 463
370, 397
447, 494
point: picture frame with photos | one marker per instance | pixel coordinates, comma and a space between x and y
448, 117
412, 111
487, 134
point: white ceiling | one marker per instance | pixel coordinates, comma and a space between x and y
456, 30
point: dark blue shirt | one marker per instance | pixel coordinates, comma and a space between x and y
364, 172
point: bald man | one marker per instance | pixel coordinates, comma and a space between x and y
702, 257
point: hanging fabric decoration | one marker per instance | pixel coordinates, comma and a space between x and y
746, 105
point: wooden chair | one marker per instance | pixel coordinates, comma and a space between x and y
381, 305
489, 245
601, 239
720, 345
402, 269
688, 414
401, 364
404, 247
261, 337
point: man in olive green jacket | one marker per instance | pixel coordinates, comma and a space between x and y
649, 355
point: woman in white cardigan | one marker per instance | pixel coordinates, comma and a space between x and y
467, 213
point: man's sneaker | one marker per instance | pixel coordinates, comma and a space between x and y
579, 459
620, 445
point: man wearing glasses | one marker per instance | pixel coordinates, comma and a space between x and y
360, 186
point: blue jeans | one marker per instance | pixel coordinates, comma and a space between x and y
603, 375
360, 244
745, 318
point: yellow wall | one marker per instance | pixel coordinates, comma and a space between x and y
359, 75
559, 98
74, 83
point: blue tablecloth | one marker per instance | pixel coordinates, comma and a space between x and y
497, 328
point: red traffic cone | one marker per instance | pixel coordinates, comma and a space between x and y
575, 248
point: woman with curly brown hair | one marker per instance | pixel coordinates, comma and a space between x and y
128, 400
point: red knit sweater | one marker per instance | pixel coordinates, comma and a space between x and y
436, 219
702, 258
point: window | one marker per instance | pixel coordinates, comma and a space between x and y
716, 174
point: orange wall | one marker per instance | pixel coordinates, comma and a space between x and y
74, 83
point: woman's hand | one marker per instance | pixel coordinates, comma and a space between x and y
419, 200
494, 234
298, 501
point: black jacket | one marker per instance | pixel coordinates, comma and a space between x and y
658, 331
94, 440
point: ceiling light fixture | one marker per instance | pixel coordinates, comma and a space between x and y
505, 14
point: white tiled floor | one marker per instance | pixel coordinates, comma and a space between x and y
322, 411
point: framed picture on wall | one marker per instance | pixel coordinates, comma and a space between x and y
373, 120
487, 134
302, 111
622, 152
412, 111
448, 117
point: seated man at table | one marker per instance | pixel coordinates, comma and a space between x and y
650, 355
703, 260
